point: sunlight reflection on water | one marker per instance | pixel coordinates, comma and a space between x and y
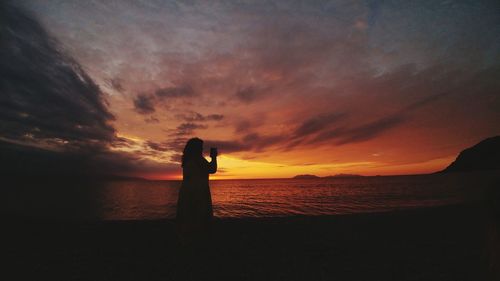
136, 200
285, 197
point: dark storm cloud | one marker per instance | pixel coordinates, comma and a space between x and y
26, 162
122, 163
45, 93
54, 121
143, 104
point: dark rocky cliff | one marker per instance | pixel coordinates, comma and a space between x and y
480, 157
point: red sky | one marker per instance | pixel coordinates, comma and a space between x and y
286, 88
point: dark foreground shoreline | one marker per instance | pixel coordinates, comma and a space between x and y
442, 243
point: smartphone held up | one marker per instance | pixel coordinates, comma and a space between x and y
213, 152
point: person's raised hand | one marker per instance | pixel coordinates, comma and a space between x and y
213, 152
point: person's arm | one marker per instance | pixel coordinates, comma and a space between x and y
212, 166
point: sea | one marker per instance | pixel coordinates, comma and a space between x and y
250, 198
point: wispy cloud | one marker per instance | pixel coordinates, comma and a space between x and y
198, 117
181, 91
317, 123
188, 128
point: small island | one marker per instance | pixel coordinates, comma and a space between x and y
308, 176
344, 176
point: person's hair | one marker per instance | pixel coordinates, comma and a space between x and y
193, 150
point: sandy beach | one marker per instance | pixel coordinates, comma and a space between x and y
440, 243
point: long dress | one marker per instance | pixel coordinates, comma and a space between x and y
194, 205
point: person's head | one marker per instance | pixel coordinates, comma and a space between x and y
193, 150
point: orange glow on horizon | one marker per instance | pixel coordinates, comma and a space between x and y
235, 168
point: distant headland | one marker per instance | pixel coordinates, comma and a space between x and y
481, 157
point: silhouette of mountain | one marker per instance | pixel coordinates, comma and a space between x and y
481, 157
306, 177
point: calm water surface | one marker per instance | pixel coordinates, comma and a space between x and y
133, 200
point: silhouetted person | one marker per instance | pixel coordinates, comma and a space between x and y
194, 205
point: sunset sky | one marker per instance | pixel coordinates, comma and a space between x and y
280, 87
